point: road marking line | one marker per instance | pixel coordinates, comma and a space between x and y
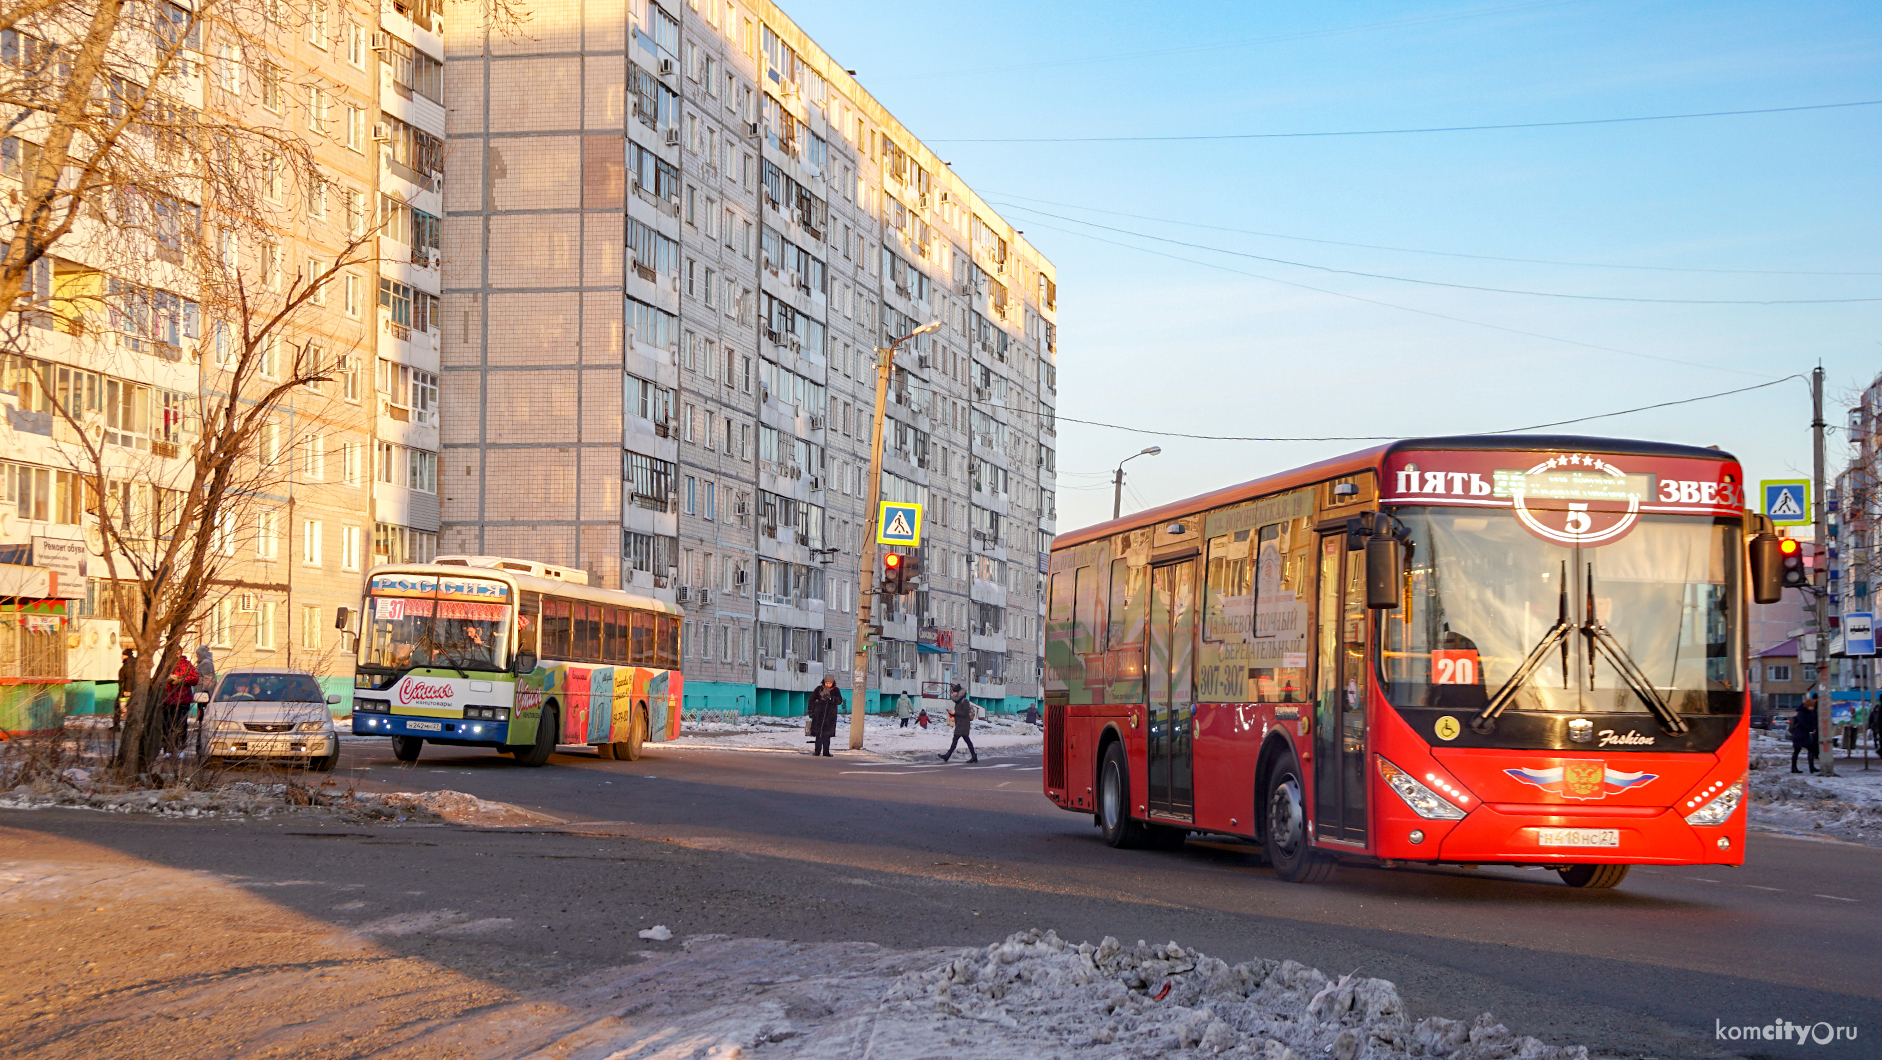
1834, 898
1701, 879
871, 773
1755, 887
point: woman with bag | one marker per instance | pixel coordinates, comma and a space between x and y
820, 717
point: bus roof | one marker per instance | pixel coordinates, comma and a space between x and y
1338, 466
533, 584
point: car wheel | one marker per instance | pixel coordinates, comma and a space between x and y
406, 748
326, 762
1593, 877
1114, 801
629, 750
547, 726
1285, 841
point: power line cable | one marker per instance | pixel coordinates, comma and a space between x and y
1399, 132
1395, 305
1442, 283
1418, 250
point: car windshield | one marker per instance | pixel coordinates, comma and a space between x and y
403, 633
1485, 596
269, 688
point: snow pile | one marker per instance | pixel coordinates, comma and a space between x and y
1117, 1001
78, 789
1003, 734
1847, 806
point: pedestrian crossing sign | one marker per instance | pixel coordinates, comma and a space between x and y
1787, 501
899, 524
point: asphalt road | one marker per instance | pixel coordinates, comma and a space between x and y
780, 845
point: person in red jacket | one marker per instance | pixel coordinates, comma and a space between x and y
177, 697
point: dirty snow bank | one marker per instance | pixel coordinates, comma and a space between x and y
79, 789
1031, 995
1001, 734
1847, 806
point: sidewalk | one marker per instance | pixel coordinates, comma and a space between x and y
1002, 735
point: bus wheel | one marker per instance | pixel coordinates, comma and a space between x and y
1285, 841
1593, 877
629, 750
546, 728
406, 748
1114, 801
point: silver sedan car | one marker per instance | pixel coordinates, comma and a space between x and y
269, 713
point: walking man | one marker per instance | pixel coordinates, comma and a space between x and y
1804, 735
824, 704
963, 715
904, 709
127, 675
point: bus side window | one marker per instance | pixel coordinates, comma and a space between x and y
591, 633
1085, 612
640, 639
555, 629
615, 646
528, 621
666, 642
1121, 631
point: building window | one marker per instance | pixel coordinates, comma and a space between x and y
400, 544
1777, 673
267, 535
264, 627
222, 624
349, 548
310, 627
311, 531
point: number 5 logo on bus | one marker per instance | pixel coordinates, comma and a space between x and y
1455, 666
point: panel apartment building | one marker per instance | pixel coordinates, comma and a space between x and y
675, 234
354, 462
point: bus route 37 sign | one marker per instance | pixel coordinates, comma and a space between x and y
899, 523
1786, 500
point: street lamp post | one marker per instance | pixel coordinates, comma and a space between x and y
865, 576
1117, 481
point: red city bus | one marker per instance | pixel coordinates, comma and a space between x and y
1522, 650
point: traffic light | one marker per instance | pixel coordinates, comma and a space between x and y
1795, 576
894, 573
911, 572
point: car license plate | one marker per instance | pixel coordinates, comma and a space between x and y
425, 726
1579, 837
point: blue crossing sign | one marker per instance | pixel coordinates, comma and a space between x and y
1787, 501
899, 524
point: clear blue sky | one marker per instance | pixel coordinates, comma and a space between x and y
1164, 344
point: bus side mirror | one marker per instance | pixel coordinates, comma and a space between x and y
342, 618
523, 662
1384, 557
1767, 570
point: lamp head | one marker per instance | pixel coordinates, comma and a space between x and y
1152, 451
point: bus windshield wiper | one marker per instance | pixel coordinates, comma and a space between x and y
1602, 641
1557, 634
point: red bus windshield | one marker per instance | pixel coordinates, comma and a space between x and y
1482, 593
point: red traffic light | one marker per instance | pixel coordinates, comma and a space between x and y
1788, 546
892, 560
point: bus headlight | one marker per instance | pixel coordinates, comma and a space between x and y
1717, 808
1423, 801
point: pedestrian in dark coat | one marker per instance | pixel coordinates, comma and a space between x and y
1804, 736
127, 676
963, 715
824, 704
178, 695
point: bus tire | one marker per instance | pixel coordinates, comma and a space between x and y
1285, 839
630, 749
1593, 877
546, 729
406, 748
1114, 801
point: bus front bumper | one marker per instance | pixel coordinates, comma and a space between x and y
1545, 835
443, 730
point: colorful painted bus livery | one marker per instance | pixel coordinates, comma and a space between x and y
1514, 650
479, 650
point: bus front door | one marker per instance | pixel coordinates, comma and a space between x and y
1339, 731
1171, 707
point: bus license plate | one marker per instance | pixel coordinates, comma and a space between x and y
1579, 837
431, 726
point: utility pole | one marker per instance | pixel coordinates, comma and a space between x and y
1826, 744
1117, 481
866, 572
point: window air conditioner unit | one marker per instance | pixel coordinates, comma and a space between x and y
742, 508
751, 128
246, 602
741, 576
381, 132
673, 137
666, 66
816, 482
705, 596
681, 593
381, 41
816, 423
803, 668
